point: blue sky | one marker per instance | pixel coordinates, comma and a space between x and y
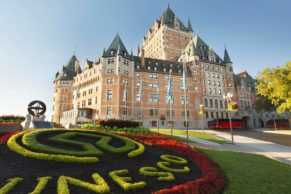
38, 37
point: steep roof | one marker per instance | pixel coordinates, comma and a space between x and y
226, 57
68, 71
116, 47
199, 48
246, 78
168, 18
160, 66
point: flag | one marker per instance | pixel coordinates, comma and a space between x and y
169, 93
124, 95
184, 77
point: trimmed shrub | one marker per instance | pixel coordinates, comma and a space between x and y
165, 166
173, 159
118, 123
152, 171
100, 185
10, 185
118, 177
42, 182
11, 118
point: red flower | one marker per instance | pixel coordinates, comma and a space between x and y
211, 181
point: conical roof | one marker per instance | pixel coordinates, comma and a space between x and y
116, 47
68, 71
226, 57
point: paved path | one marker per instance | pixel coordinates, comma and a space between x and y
200, 141
247, 144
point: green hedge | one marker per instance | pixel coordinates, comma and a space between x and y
100, 185
42, 182
10, 185
90, 153
152, 171
118, 176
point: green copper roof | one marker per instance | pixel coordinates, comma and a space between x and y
116, 47
201, 49
189, 25
168, 18
68, 71
226, 57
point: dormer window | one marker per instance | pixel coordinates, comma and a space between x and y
137, 67
155, 68
149, 68
112, 52
176, 23
165, 69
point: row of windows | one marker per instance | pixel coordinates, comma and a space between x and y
212, 91
215, 103
88, 102
216, 115
244, 104
170, 123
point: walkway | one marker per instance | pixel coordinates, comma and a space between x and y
250, 145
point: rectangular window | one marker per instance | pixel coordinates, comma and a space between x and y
168, 113
183, 113
110, 81
109, 110
206, 114
183, 100
153, 112
153, 98
96, 100
172, 100
109, 94
109, 71
125, 111
89, 101
154, 123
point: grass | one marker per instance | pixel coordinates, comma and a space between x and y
250, 173
194, 134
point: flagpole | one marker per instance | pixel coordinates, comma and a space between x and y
158, 97
140, 97
185, 98
171, 119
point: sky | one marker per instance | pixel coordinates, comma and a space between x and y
38, 37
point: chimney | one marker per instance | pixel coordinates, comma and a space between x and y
142, 58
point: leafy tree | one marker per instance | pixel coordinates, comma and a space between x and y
264, 104
275, 85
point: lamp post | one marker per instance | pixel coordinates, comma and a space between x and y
227, 97
201, 112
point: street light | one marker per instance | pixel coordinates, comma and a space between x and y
227, 97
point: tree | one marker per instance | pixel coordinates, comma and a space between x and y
275, 84
264, 104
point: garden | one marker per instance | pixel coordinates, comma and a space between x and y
107, 159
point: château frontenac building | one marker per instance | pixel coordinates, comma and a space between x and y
123, 85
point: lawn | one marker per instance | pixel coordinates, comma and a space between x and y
250, 173
194, 134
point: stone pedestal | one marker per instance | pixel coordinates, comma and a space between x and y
35, 122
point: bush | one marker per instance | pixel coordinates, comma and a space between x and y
118, 123
11, 118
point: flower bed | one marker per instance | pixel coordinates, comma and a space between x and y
211, 181
158, 170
